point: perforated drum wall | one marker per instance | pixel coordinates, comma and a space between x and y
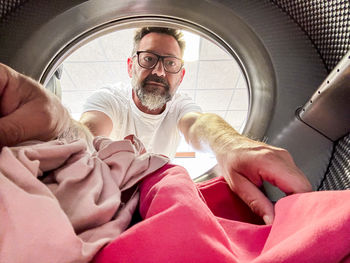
338, 174
7, 6
327, 23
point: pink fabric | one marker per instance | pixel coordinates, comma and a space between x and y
207, 223
78, 208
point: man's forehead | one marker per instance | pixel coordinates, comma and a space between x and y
160, 43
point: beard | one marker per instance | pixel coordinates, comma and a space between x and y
152, 97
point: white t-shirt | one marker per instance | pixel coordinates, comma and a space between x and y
158, 133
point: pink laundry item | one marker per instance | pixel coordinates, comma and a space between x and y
185, 222
78, 205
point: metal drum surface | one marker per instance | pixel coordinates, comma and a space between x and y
280, 64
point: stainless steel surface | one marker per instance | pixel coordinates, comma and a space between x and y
311, 151
338, 174
210, 174
50, 43
255, 33
278, 60
326, 22
328, 110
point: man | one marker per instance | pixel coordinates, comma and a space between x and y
156, 70
150, 108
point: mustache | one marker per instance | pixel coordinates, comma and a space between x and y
157, 79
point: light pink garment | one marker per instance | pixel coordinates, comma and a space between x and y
77, 209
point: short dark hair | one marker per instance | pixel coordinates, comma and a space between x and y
141, 32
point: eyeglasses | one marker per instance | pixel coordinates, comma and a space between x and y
149, 60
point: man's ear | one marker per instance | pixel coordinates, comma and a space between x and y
183, 71
130, 64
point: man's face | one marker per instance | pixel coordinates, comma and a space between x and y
154, 87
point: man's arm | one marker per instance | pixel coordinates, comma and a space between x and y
29, 111
97, 122
245, 163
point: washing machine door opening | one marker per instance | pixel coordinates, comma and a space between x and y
215, 78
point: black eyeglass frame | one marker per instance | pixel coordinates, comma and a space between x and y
158, 57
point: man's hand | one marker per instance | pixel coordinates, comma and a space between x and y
27, 110
245, 163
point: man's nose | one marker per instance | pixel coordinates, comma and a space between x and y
159, 68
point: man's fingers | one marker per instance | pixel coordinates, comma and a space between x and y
4, 77
10, 132
275, 165
23, 124
284, 174
27, 110
252, 196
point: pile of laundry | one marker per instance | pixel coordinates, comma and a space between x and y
59, 202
